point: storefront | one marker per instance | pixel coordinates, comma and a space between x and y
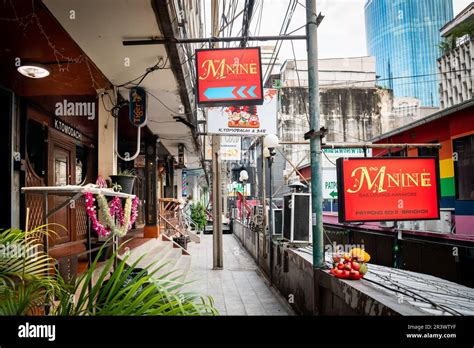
58, 151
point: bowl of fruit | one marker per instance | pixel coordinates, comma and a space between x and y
352, 265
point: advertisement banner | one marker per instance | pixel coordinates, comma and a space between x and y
329, 159
229, 76
245, 120
230, 148
329, 183
233, 188
330, 156
388, 189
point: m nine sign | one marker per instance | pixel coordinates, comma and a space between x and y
391, 188
231, 76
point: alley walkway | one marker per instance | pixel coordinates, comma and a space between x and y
238, 289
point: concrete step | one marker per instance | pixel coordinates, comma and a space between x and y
159, 251
167, 263
193, 236
183, 266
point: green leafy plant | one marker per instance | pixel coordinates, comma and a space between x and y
448, 43
27, 280
121, 292
198, 214
127, 172
28, 283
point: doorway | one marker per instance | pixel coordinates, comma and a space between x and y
61, 173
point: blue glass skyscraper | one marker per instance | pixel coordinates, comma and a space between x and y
403, 35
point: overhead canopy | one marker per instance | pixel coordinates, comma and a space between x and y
99, 28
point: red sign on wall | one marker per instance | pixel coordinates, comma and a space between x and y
388, 189
231, 76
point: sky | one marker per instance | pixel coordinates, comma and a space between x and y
341, 33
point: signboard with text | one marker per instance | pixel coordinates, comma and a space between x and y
233, 188
137, 116
329, 183
388, 189
229, 76
230, 148
249, 120
329, 159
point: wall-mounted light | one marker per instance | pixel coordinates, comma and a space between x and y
34, 70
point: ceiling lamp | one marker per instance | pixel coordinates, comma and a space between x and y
34, 70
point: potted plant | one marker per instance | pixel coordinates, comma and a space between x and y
198, 214
124, 180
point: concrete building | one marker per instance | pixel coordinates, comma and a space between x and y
456, 65
404, 36
352, 107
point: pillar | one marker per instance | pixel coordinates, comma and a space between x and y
152, 229
107, 160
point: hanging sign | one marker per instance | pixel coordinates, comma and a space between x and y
231, 148
388, 189
329, 183
229, 76
181, 159
249, 120
137, 116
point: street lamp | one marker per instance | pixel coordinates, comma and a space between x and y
244, 176
270, 142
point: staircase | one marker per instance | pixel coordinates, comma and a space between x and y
164, 254
174, 223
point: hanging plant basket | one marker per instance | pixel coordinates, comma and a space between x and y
125, 182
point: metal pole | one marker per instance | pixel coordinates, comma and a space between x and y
315, 142
217, 249
162, 41
264, 204
270, 220
364, 145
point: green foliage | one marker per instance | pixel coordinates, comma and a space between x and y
26, 287
127, 172
449, 43
117, 292
25, 284
198, 214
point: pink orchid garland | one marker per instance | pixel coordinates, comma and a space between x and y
115, 207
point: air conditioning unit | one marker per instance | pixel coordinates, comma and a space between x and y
418, 225
387, 224
297, 217
405, 225
277, 222
443, 225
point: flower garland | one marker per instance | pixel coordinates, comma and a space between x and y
126, 216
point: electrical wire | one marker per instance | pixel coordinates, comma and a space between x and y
299, 84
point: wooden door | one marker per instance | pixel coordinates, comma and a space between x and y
61, 173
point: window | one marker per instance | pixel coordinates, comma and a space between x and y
464, 167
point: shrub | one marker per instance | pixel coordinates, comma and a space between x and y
198, 214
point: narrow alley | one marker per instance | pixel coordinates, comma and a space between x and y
238, 289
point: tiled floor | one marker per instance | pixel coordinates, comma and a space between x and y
238, 289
